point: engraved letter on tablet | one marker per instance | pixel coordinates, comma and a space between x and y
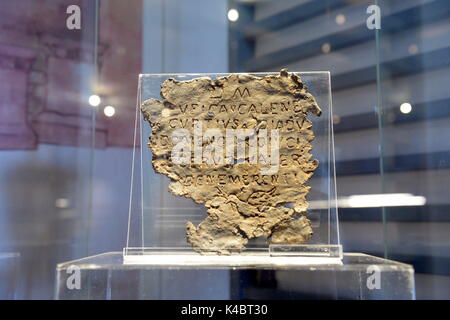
240, 145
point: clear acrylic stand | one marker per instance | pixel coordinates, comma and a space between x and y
156, 224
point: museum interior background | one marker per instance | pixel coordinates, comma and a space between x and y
65, 165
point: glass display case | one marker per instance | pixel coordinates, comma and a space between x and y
155, 251
157, 218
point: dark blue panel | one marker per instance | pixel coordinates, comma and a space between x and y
426, 213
